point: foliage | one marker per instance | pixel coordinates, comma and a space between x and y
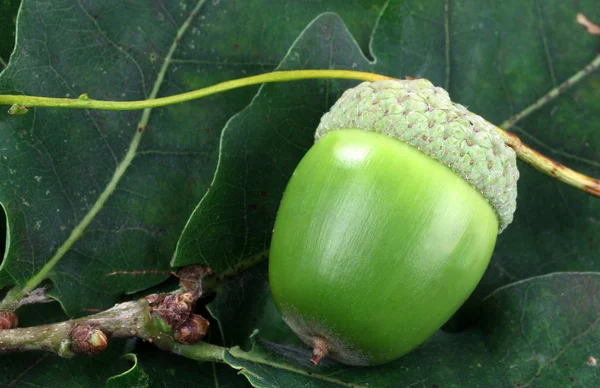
206, 177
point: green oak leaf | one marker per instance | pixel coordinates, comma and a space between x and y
57, 167
498, 59
132, 377
234, 220
495, 71
244, 304
522, 341
156, 369
48, 370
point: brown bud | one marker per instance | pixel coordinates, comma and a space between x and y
88, 340
175, 309
8, 320
192, 331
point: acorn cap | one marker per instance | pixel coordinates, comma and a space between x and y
423, 116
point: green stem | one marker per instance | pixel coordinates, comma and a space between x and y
524, 152
277, 76
259, 359
201, 351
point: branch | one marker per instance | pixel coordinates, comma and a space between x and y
165, 320
550, 167
20, 102
20, 105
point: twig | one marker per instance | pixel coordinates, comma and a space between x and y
84, 102
550, 167
21, 104
147, 319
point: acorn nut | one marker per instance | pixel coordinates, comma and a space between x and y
389, 221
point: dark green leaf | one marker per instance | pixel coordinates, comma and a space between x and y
56, 163
244, 304
523, 341
157, 369
498, 58
132, 377
496, 71
48, 370
260, 149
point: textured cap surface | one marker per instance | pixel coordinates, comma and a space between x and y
423, 116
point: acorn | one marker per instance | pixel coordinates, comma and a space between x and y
389, 221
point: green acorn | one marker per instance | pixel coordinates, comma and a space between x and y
389, 221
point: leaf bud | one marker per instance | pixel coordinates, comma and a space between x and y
88, 340
8, 320
192, 331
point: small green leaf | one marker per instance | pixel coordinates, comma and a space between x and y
133, 377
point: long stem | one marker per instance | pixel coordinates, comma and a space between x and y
276, 76
524, 152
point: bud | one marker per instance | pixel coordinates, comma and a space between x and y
18, 109
175, 309
88, 340
192, 331
8, 320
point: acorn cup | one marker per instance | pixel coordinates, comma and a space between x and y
389, 221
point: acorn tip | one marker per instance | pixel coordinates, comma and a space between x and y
319, 351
